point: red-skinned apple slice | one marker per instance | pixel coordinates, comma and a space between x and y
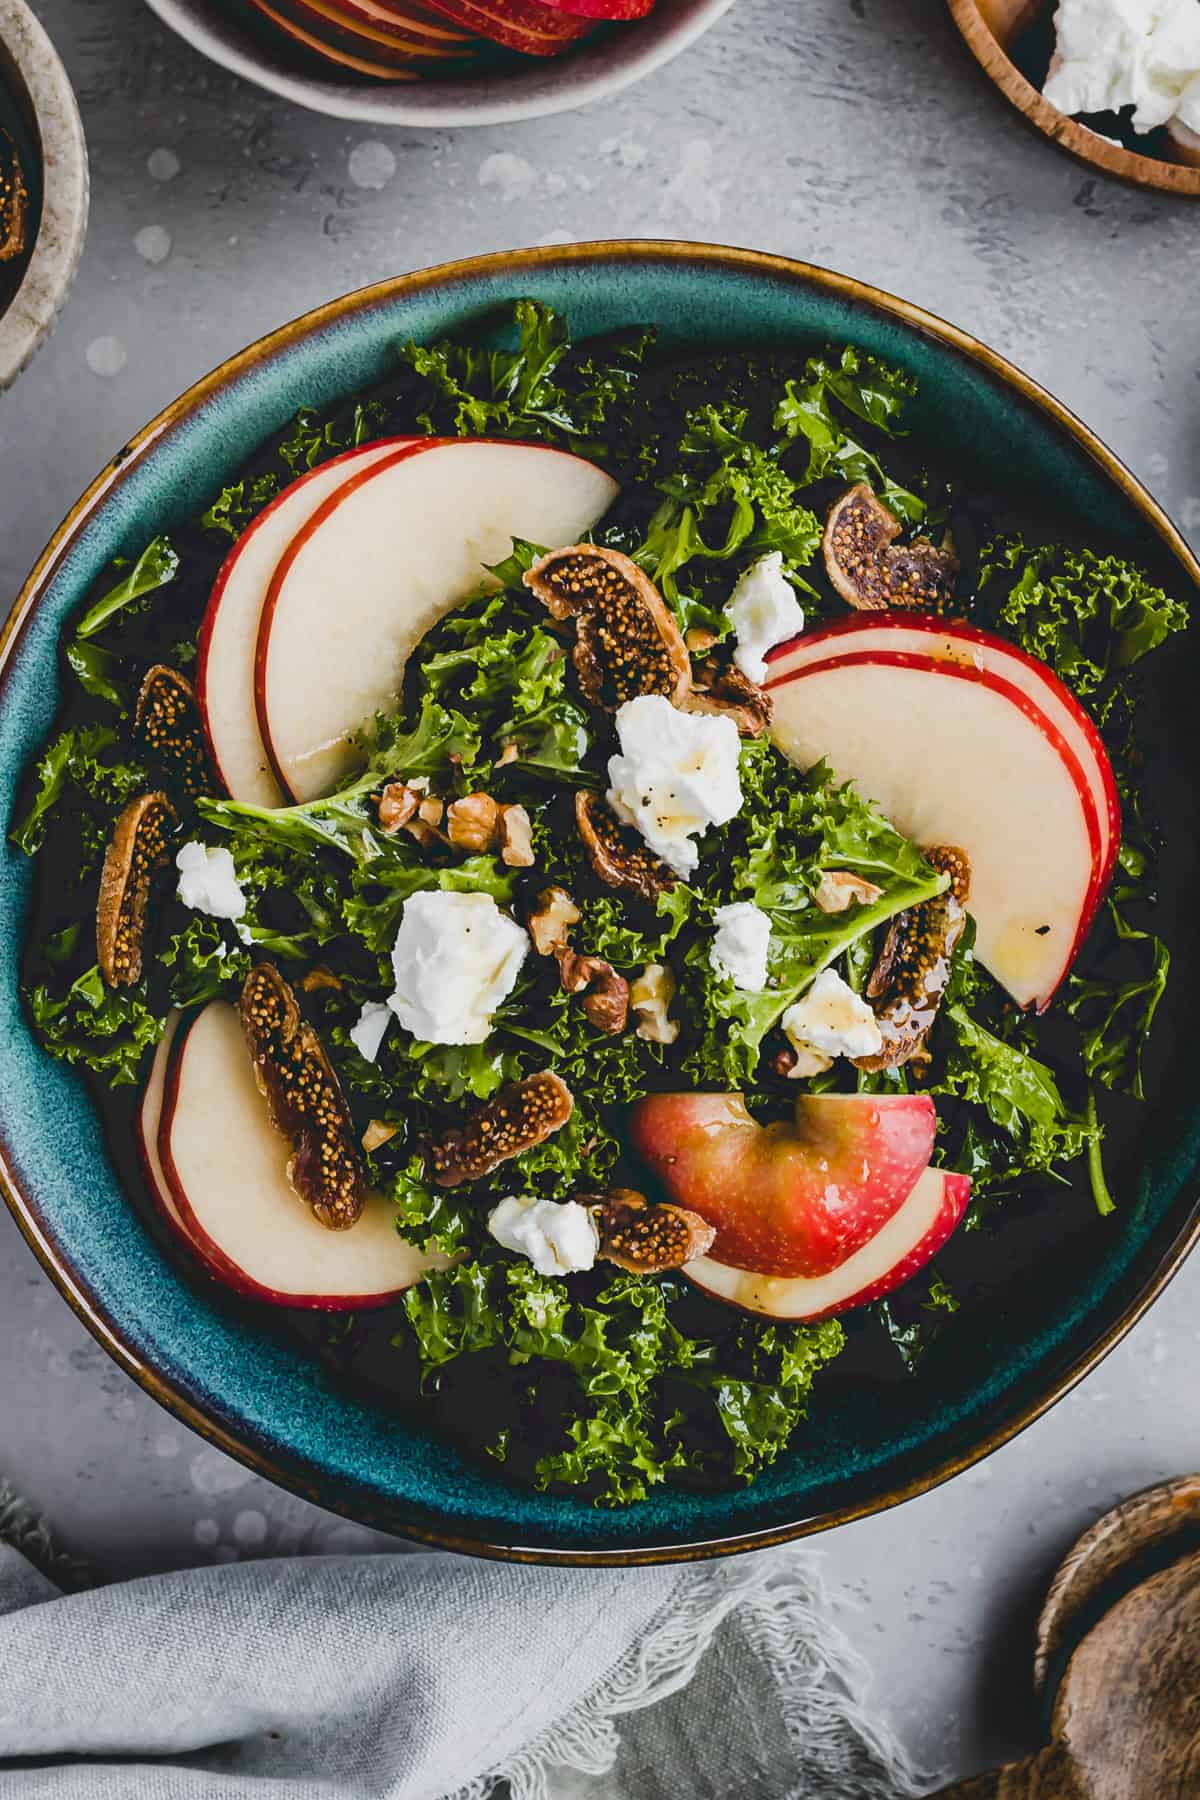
225, 1167
404, 23
146, 1124
970, 647
377, 565
897, 1252
328, 21
787, 1199
958, 754
523, 25
603, 9
313, 44
229, 632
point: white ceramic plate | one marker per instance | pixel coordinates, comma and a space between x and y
553, 85
32, 70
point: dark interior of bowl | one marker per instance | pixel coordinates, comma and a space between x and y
1042, 1294
19, 136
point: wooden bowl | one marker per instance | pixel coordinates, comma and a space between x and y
990, 28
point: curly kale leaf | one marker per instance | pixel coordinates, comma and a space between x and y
869, 390
107, 1030
76, 769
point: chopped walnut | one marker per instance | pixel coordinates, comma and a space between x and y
605, 993
377, 1134
430, 812
643, 1238
473, 823
138, 852
508, 754
698, 640
650, 997
551, 920
838, 890
317, 978
397, 805
516, 837
521, 1115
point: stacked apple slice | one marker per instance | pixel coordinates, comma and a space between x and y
405, 40
963, 739
225, 1195
320, 602
812, 1218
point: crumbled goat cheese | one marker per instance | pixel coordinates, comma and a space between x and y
368, 1034
455, 960
558, 1237
1111, 54
764, 611
832, 1020
677, 774
739, 946
208, 881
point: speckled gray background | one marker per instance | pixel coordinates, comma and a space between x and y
852, 132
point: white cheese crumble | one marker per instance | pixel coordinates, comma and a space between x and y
1116, 53
832, 1020
677, 774
208, 882
740, 943
368, 1034
764, 611
455, 960
558, 1237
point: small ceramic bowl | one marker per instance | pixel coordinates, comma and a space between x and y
550, 85
992, 29
1057, 1286
39, 115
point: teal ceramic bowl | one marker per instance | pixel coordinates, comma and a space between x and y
1064, 1288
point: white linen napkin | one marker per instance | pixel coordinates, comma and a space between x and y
422, 1676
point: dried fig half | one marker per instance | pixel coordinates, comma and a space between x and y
871, 571
521, 1115
626, 640
909, 979
304, 1098
166, 723
617, 853
646, 1239
138, 851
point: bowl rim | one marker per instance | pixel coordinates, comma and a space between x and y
293, 1473
1179, 179
31, 312
555, 85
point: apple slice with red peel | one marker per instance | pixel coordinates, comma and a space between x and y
146, 1124
229, 631
377, 564
971, 647
898, 1251
954, 753
523, 25
403, 25
603, 9
787, 1199
225, 1167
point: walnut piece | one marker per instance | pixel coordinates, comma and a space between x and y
166, 723
616, 853
473, 823
871, 571
605, 993
304, 1098
516, 837
397, 805
650, 997
643, 1238
377, 1134
138, 852
626, 639
318, 978
521, 1115
838, 890
550, 922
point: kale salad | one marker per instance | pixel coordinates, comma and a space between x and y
623, 973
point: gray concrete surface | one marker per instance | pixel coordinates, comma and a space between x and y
852, 132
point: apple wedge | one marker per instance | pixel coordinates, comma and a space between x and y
377, 564
897, 1252
609, 10
523, 25
405, 21
955, 753
787, 1199
146, 1124
225, 1167
328, 22
970, 647
229, 631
